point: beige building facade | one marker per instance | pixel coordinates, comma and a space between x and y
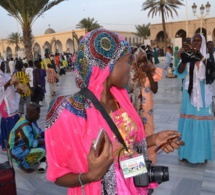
56, 42
183, 30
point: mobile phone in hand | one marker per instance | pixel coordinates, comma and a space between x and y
167, 142
99, 143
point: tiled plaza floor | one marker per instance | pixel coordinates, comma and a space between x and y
185, 179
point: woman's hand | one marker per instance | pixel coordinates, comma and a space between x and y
181, 50
97, 167
168, 140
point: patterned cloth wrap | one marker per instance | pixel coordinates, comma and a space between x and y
72, 121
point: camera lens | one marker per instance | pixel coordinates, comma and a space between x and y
159, 174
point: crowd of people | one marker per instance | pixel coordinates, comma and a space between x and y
123, 80
22, 87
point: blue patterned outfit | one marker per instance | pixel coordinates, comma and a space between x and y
23, 141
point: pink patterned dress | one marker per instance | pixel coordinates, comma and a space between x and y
73, 122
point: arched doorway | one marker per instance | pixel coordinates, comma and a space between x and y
36, 50
204, 32
70, 46
47, 47
9, 53
160, 39
58, 47
181, 33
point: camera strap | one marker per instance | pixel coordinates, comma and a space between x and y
87, 93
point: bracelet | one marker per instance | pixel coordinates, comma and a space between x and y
82, 186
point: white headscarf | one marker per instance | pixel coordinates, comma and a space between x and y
199, 75
9, 95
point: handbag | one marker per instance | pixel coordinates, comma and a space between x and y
7, 175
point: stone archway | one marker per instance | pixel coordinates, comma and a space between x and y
58, 47
70, 46
47, 47
160, 36
181, 33
159, 41
204, 32
9, 53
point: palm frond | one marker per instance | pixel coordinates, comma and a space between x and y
88, 23
26, 12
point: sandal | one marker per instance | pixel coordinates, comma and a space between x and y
42, 167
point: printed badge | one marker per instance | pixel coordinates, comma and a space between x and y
133, 166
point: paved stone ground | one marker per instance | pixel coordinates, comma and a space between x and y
185, 179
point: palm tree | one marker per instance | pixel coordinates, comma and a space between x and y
143, 30
88, 24
26, 12
15, 38
165, 8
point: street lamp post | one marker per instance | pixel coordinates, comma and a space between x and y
187, 30
202, 14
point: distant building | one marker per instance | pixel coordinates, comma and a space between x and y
178, 29
57, 42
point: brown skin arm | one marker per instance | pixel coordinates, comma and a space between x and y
162, 137
97, 167
181, 67
7, 84
153, 84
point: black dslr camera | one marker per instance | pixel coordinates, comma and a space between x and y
190, 56
156, 174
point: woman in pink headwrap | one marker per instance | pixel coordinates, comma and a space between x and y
72, 123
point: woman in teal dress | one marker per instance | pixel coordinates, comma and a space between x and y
156, 54
176, 58
196, 122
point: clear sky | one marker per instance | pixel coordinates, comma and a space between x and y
111, 14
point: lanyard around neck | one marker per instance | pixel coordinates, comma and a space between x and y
88, 94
